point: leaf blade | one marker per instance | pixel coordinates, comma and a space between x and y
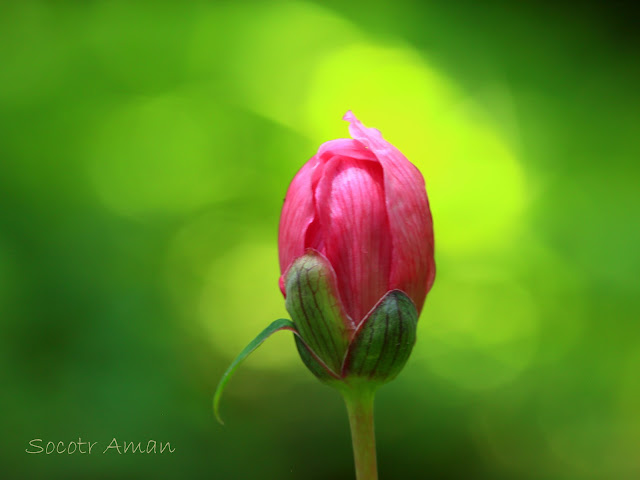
277, 325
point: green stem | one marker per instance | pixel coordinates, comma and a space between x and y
360, 409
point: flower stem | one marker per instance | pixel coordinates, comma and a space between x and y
360, 409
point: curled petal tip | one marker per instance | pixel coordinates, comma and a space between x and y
349, 116
370, 137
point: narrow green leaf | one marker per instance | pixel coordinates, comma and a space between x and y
384, 341
281, 324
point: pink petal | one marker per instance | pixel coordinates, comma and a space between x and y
410, 222
297, 214
354, 230
344, 147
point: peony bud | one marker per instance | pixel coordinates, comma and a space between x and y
356, 256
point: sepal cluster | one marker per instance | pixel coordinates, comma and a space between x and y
331, 346
335, 349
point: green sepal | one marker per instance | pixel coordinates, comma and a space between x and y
281, 324
315, 308
313, 363
382, 344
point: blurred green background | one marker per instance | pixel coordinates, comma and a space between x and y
145, 149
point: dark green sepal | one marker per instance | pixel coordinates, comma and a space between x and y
315, 308
382, 344
313, 363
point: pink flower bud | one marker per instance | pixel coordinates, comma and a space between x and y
363, 206
356, 258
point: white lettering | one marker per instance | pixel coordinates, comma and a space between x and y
35, 446
111, 445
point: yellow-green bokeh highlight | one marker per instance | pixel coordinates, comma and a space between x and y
466, 160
